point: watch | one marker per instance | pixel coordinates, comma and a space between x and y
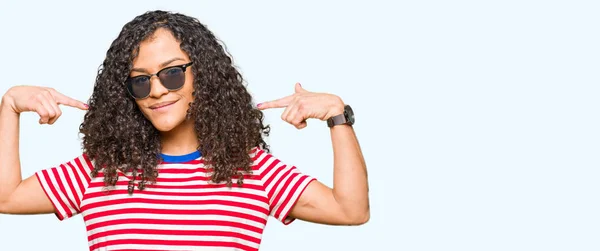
346, 118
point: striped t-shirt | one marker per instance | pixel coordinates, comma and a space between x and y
182, 211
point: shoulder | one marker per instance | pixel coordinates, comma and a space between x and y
261, 159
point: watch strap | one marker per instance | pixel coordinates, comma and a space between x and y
337, 120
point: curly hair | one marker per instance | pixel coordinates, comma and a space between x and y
117, 136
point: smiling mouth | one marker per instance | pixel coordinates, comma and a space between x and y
161, 105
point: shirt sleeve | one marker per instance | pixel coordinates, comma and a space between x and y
65, 185
283, 184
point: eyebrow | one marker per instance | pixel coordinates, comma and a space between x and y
162, 65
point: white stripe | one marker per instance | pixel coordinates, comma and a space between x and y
66, 180
94, 210
196, 175
280, 189
262, 156
285, 191
174, 198
177, 217
165, 237
175, 227
60, 194
266, 165
165, 247
184, 191
86, 168
73, 178
180, 166
54, 200
184, 175
293, 197
186, 183
274, 171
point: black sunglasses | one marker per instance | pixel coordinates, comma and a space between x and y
172, 78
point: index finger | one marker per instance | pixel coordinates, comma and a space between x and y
278, 103
64, 100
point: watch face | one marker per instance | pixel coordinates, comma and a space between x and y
349, 114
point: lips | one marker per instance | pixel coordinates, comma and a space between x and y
162, 104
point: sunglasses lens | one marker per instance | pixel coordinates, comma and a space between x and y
139, 87
172, 78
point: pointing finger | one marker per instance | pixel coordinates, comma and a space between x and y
64, 100
279, 103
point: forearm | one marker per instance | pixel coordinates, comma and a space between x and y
10, 167
350, 184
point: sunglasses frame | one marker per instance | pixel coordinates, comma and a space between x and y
183, 67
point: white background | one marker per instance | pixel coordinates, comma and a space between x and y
478, 119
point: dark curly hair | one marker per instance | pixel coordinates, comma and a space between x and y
116, 136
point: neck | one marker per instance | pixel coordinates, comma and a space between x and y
181, 140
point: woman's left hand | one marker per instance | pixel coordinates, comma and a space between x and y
303, 105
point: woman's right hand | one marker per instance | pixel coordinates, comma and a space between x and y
42, 100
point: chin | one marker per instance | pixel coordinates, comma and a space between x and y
166, 124
161, 127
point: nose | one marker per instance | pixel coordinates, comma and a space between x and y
156, 87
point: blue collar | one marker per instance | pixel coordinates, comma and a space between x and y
180, 158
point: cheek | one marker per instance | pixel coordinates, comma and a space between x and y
140, 106
188, 91
139, 103
190, 95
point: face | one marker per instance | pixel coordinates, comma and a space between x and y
165, 109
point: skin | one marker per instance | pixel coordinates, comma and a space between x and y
346, 203
178, 136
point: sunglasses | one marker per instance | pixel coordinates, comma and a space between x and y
171, 78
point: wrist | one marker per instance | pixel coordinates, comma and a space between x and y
337, 107
6, 104
346, 117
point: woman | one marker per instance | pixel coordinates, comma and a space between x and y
174, 156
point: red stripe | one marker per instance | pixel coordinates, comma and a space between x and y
191, 162
175, 232
61, 185
291, 194
274, 188
182, 186
174, 222
172, 242
205, 186
190, 212
79, 182
133, 249
284, 218
272, 177
185, 179
200, 170
258, 152
187, 194
48, 181
71, 186
83, 170
197, 178
200, 178
262, 163
56, 211
280, 191
175, 202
